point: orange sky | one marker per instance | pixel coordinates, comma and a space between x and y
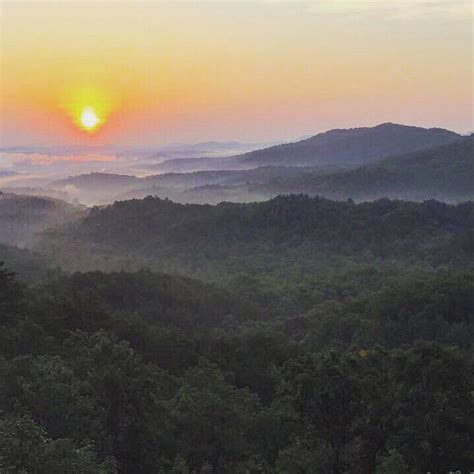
257, 70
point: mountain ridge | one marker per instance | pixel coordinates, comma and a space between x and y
443, 172
354, 145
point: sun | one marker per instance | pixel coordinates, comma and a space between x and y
88, 107
89, 119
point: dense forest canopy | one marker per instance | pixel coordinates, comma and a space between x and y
279, 235
148, 373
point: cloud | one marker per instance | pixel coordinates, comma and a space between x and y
44, 159
395, 9
71, 191
392, 9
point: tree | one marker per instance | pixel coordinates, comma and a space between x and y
25, 447
131, 396
215, 422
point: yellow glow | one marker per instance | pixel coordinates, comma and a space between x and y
152, 71
89, 119
88, 107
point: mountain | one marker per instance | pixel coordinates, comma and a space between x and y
22, 218
39, 191
276, 234
355, 146
189, 165
95, 188
445, 172
212, 187
104, 188
206, 149
331, 164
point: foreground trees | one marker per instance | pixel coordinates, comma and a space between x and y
141, 373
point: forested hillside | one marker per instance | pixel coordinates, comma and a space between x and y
330, 337
285, 233
445, 172
316, 336
29, 266
22, 218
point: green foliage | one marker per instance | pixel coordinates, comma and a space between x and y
25, 447
393, 463
293, 235
335, 338
215, 422
146, 373
417, 401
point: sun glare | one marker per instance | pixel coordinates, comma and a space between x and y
89, 119
88, 107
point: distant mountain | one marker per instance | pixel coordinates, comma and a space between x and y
22, 218
210, 147
92, 180
38, 191
445, 172
355, 146
294, 168
104, 188
95, 188
189, 165
204, 186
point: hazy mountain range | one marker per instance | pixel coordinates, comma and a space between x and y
445, 172
364, 163
31, 163
340, 146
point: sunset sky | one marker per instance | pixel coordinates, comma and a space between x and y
159, 72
